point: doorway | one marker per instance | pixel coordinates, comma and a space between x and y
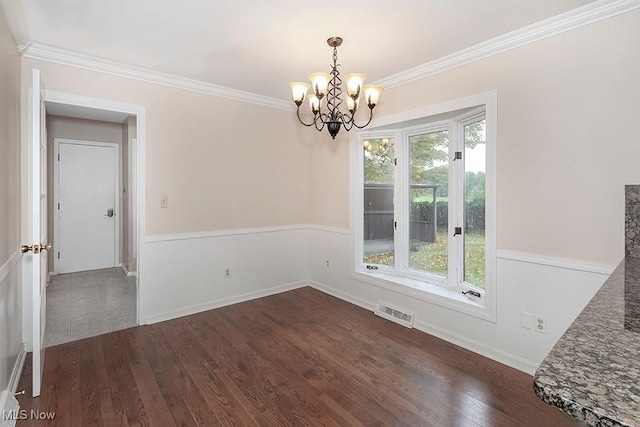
86, 205
77, 286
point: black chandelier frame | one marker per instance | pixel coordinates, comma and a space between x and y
333, 118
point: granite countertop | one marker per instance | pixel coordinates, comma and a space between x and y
593, 371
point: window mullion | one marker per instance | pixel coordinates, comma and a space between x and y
455, 168
400, 203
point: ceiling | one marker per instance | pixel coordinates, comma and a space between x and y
260, 46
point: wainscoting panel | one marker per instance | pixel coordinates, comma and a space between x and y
190, 273
553, 288
11, 348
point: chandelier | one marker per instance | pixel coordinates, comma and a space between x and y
328, 87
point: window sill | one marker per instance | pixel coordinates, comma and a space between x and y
434, 294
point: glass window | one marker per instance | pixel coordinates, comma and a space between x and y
378, 219
474, 202
428, 195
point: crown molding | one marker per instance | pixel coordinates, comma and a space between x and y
17, 22
44, 52
585, 15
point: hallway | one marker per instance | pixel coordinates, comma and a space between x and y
89, 303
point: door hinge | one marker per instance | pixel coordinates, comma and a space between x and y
58, 156
58, 254
457, 231
58, 206
395, 162
395, 225
457, 156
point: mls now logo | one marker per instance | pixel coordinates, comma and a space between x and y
27, 415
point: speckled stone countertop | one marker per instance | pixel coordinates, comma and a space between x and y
593, 371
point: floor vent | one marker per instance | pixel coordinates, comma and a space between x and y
401, 317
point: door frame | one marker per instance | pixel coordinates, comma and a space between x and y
139, 168
56, 194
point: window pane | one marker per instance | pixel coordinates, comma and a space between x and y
378, 201
474, 203
428, 202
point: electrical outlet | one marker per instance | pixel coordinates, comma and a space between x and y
164, 201
328, 264
540, 324
227, 273
526, 319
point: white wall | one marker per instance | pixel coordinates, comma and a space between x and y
567, 144
10, 266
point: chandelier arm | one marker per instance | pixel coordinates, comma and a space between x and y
321, 120
353, 121
315, 118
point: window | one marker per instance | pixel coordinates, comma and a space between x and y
424, 204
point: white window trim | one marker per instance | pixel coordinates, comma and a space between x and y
443, 296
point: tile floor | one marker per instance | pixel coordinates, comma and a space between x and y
89, 303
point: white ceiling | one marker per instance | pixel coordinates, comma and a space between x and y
260, 45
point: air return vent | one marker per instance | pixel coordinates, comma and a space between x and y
401, 317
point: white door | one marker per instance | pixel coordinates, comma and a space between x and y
35, 258
86, 205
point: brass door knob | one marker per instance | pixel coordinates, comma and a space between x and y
36, 248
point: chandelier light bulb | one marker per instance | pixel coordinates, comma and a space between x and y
320, 83
352, 104
354, 84
298, 91
372, 95
314, 104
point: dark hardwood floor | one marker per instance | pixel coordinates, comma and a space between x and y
297, 358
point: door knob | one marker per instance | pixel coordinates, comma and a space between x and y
36, 248
109, 213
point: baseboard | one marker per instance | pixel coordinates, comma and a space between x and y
210, 305
516, 362
342, 295
503, 357
17, 369
9, 405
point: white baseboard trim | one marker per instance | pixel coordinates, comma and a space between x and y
516, 362
9, 407
210, 305
127, 272
503, 357
8, 403
342, 295
17, 369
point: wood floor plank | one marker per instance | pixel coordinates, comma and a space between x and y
297, 358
